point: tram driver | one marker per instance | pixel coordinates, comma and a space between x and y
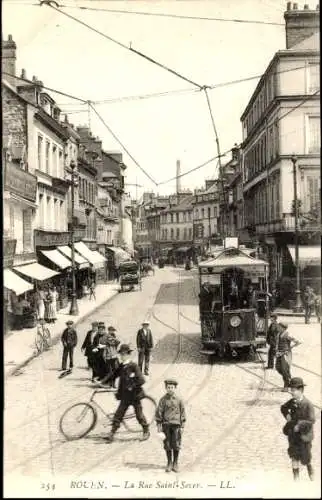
205, 298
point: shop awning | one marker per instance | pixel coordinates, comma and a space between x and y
14, 283
182, 249
308, 255
36, 271
120, 255
80, 261
57, 258
93, 257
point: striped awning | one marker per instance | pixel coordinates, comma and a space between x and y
36, 271
14, 283
57, 258
80, 261
94, 257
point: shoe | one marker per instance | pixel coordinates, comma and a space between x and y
168, 467
62, 370
175, 467
146, 435
146, 373
109, 438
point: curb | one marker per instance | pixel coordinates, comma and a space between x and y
55, 339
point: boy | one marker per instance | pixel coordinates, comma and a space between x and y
129, 392
144, 344
69, 341
170, 418
271, 340
299, 413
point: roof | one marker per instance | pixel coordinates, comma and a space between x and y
185, 204
233, 257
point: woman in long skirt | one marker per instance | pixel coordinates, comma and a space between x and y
40, 304
51, 306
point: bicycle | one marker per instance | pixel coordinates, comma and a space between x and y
43, 338
71, 431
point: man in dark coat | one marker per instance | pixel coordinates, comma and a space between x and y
69, 341
87, 345
99, 370
271, 340
300, 416
144, 344
129, 392
205, 298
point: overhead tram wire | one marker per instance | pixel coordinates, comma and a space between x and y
49, 3
122, 145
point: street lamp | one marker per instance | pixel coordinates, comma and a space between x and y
298, 303
73, 306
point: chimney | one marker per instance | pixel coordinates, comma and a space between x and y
9, 60
23, 74
300, 24
178, 178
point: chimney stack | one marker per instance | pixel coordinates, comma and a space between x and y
300, 24
178, 178
23, 74
9, 48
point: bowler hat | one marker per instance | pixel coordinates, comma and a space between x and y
169, 381
296, 383
125, 349
69, 323
112, 329
283, 325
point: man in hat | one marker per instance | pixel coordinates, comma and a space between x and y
285, 344
69, 341
144, 344
87, 345
170, 417
109, 344
98, 361
129, 392
300, 416
271, 340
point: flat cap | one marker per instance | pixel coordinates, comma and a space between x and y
169, 381
69, 322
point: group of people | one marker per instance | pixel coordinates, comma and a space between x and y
298, 411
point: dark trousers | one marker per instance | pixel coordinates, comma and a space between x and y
283, 366
68, 351
99, 369
121, 410
308, 312
172, 437
144, 356
271, 356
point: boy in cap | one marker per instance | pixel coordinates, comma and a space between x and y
129, 392
300, 416
170, 417
144, 344
69, 341
109, 344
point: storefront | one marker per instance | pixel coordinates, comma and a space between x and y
58, 262
98, 263
114, 256
82, 271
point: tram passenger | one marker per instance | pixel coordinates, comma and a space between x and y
205, 298
300, 416
285, 344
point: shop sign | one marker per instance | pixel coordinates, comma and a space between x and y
51, 238
9, 250
20, 182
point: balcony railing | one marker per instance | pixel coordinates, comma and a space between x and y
287, 224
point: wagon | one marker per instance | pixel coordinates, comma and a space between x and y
130, 277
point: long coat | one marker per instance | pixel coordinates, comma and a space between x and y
144, 341
88, 343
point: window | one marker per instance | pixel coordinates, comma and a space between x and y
314, 139
62, 217
171, 234
178, 233
190, 233
215, 212
56, 214
197, 213
209, 212
312, 193
41, 211
54, 161
314, 78
48, 212
177, 216
39, 151
60, 169
185, 233
47, 156
202, 213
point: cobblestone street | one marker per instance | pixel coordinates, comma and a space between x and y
234, 424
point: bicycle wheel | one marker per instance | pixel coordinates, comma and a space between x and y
77, 421
39, 343
148, 406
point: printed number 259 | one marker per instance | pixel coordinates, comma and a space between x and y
47, 486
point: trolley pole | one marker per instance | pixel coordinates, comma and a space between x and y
298, 303
73, 306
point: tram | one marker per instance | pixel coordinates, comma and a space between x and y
233, 303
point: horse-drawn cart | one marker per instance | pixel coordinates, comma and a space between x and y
130, 276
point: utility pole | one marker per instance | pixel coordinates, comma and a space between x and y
298, 303
73, 305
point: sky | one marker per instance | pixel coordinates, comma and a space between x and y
156, 131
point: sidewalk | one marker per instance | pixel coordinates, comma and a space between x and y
19, 345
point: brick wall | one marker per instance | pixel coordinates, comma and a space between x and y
14, 117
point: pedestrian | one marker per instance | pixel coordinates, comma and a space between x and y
285, 344
300, 416
99, 371
309, 300
144, 344
129, 392
170, 417
318, 308
87, 345
92, 290
271, 340
52, 305
69, 340
40, 303
110, 345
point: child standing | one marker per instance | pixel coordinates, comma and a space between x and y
299, 413
170, 417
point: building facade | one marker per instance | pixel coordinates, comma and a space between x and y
282, 120
205, 216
